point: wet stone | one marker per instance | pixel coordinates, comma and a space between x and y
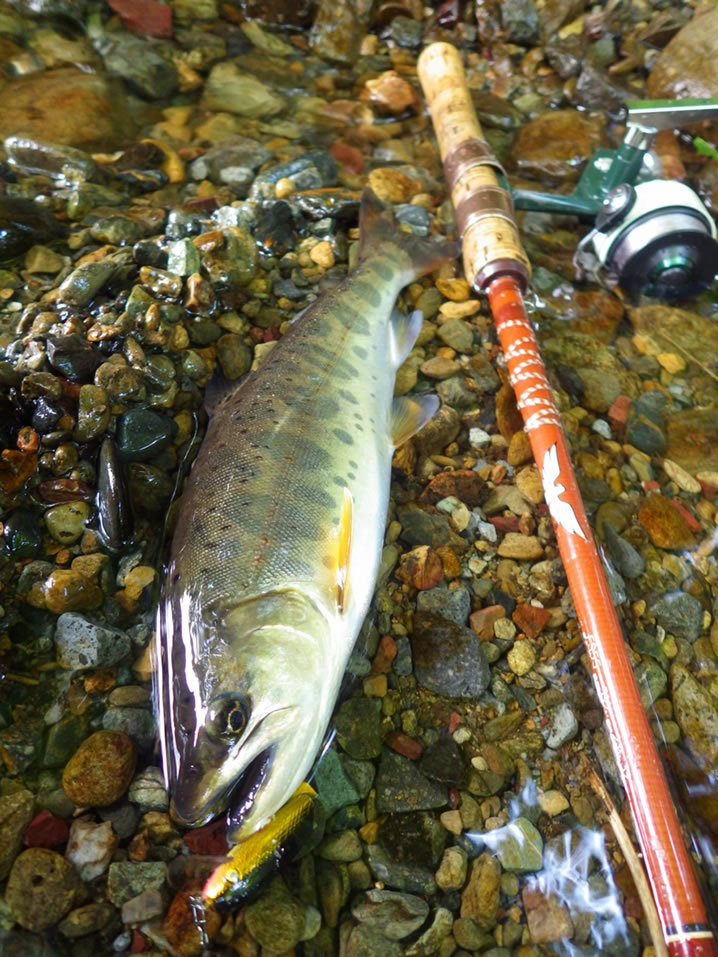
138, 723
93, 415
480, 897
230, 89
142, 433
66, 590
697, 715
556, 145
335, 788
448, 657
562, 726
391, 913
520, 21
100, 771
15, 814
628, 561
150, 903
90, 847
83, 644
148, 790
443, 761
666, 527
234, 355
358, 724
127, 879
66, 523
400, 786
276, 919
651, 680
21, 536
365, 939
679, 613
645, 423
84, 282
41, 888
86, 919
453, 604
141, 64
23, 223
63, 739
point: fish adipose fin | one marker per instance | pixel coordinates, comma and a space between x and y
404, 333
417, 256
410, 415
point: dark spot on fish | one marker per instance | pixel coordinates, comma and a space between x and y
368, 293
338, 480
358, 416
353, 464
224, 528
383, 271
210, 545
316, 496
351, 399
359, 352
351, 475
175, 578
343, 436
212, 509
359, 428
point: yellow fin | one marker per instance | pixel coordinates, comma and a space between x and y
410, 415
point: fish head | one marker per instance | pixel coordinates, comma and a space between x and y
245, 723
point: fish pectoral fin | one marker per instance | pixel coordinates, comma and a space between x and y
404, 331
410, 415
340, 552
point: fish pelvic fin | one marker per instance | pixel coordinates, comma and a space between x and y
410, 415
418, 255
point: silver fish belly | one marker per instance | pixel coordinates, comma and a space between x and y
278, 541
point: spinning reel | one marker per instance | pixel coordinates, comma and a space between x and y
653, 236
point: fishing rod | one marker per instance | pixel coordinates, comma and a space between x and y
496, 265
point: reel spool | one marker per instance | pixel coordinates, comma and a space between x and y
657, 238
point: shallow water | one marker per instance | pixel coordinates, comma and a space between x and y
215, 197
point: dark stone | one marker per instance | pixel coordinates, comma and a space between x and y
73, 356
24, 223
406, 32
142, 433
645, 423
22, 535
624, 556
358, 724
679, 613
416, 839
444, 762
520, 21
400, 786
46, 414
448, 657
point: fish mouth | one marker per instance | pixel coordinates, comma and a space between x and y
244, 793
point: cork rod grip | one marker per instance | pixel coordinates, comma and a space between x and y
484, 209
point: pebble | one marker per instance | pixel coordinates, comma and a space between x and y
521, 657
393, 914
400, 786
148, 790
679, 613
684, 480
100, 771
448, 657
480, 897
553, 802
128, 879
457, 334
665, 526
548, 919
519, 846
15, 814
430, 942
452, 869
453, 604
66, 523
696, 713
90, 847
83, 644
358, 727
562, 726
150, 903
86, 920
41, 888
521, 547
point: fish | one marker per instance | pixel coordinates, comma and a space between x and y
278, 540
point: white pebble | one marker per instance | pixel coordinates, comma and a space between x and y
478, 438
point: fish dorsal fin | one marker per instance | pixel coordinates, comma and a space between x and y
410, 415
405, 331
343, 550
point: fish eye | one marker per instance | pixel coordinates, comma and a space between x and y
227, 717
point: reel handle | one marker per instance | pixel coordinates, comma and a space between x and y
484, 208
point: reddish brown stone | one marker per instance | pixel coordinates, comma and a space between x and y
421, 568
210, 839
508, 417
390, 94
16, 468
347, 156
530, 619
449, 561
464, 484
665, 525
689, 518
505, 523
46, 830
385, 654
65, 490
547, 917
404, 745
482, 621
187, 935
148, 17
139, 943
618, 413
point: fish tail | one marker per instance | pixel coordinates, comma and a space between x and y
417, 256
